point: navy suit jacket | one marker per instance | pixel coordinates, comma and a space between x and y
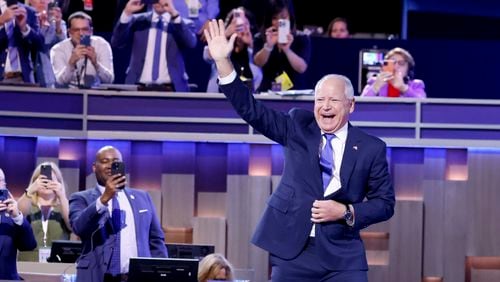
26, 46
286, 223
97, 234
135, 33
13, 237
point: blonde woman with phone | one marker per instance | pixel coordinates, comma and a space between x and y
46, 208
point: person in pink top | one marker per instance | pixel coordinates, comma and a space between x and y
398, 82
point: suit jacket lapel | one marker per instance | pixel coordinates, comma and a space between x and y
350, 156
313, 141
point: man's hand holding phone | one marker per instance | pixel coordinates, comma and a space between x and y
115, 182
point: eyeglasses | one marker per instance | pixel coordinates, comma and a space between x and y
81, 30
401, 63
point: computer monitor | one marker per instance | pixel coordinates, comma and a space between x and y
65, 251
163, 269
189, 250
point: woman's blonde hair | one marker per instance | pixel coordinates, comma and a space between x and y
211, 265
59, 178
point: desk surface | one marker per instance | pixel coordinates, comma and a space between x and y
129, 115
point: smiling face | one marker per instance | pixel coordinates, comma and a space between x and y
331, 104
102, 165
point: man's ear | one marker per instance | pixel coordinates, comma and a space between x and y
353, 102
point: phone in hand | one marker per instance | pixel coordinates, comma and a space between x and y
85, 40
11, 2
4, 194
283, 30
118, 168
46, 170
388, 66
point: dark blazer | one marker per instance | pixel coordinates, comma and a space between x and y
97, 235
13, 237
286, 223
26, 46
135, 34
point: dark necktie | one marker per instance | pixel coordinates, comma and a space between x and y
156, 57
326, 160
116, 219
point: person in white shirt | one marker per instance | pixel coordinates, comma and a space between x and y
83, 60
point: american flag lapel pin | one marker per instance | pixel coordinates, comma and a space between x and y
355, 147
132, 197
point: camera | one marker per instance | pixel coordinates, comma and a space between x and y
85, 40
283, 30
46, 170
4, 194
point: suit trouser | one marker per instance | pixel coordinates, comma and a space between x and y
306, 267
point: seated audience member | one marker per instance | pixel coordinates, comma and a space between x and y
53, 30
215, 267
242, 56
15, 234
281, 60
19, 36
157, 38
200, 12
46, 208
338, 28
114, 222
400, 81
82, 60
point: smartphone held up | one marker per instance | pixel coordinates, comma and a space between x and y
283, 30
118, 168
388, 66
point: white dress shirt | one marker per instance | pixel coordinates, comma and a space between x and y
67, 75
128, 245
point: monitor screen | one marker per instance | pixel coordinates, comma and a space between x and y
65, 251
163, 269
189, 250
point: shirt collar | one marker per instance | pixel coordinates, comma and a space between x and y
341, 133
165, 17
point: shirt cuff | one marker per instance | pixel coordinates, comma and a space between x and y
18, 219
228, 79
100, 207
28, 29
124, 19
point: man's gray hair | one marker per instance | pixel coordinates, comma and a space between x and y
349, 89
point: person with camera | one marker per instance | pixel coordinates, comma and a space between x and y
46, 207
396, 78
19, 37
15, 233
114, 222
83, 60
282, 52
157, 39
238, 21
53, 30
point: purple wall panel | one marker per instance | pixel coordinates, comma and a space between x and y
278, 159
460, 134
151, 106
383, 112
179, 157
468, 114
238, 158
41, 102
18, 160
393, 132
47, 147
167, 127
260, 161
34, 122
73, 153
145, 165
211, 167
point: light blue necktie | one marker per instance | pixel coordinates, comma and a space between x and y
117, 221
326, 160
156, 57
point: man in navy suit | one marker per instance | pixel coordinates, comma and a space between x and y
20, 38
312, 223
157, 38
15, 234
114, 222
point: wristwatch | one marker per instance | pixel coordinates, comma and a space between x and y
348, 216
